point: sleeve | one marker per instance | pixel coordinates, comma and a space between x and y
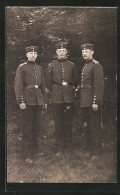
43, 86
49, 77
75, 77
98, 84
19, 86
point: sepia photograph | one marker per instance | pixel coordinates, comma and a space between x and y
61, 94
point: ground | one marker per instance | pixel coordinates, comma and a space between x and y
72, 167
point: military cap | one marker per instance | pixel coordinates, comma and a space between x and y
31, 49
61, 45
87, 46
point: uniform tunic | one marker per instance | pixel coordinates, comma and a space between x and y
62, 98
91, 92
92, 84
28, 75
58, 72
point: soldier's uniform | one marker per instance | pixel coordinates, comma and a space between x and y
91, 92
60, 80
30, 89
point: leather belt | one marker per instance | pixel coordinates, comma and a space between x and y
63, 83
85, 86
33, 86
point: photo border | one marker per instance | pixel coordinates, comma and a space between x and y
50, 187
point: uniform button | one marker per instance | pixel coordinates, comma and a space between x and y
82, 73
93, 102
22, 101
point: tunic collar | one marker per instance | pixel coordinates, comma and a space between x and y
61, 60
87, 61
31, 62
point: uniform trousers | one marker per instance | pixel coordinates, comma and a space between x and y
92, 121
63, 117
30, 119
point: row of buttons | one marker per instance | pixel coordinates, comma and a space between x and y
82, 81
35, 75
94, 99
82, 75
63, 72
22, 99
36, 86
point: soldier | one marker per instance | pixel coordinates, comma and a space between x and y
30, 95
60, 81
91, 98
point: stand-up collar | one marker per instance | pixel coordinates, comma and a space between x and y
30, 62
61, 60
87, 61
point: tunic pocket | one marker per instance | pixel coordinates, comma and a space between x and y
86, 97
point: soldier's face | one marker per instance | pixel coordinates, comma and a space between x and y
32, 56
87, 54
61, 53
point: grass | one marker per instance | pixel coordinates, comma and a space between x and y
72, 167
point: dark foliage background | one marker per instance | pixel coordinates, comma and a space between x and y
45, 26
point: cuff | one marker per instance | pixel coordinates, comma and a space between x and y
21, 100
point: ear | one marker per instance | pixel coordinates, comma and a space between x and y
27, 54
92, 52
57, 52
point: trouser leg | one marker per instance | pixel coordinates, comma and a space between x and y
36, 128
85, 121
95, 129
27, 123
68, 125
59, 128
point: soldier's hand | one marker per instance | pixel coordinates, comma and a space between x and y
45, 106
47, 90
77, 88
95, 61
95, 107
22, 106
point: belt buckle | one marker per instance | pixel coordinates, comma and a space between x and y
36, 86
64, 83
